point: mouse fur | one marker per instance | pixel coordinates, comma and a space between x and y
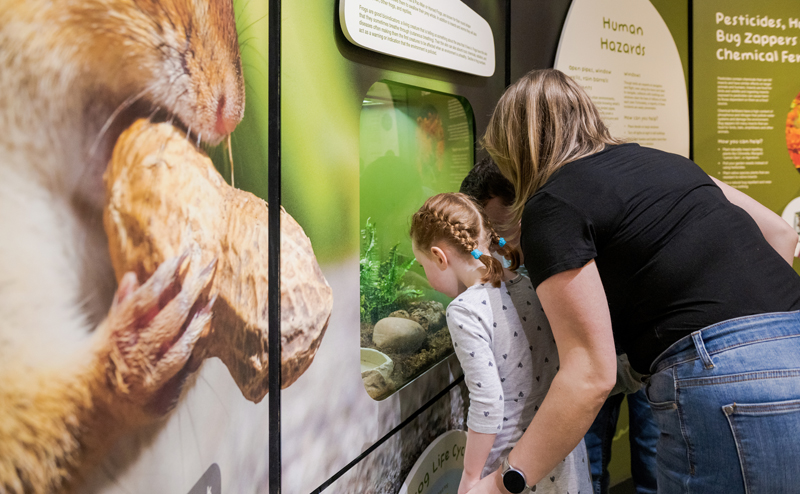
82, 360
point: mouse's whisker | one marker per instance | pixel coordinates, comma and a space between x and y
160, 154
177, 97
125, 105
230, 157
150, 118
243, 43
222, 403
106, 470
180, 445
257, 70
252, 24
194, 434
164, 144
244, 17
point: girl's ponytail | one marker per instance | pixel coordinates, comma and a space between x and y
505, 250
494, 269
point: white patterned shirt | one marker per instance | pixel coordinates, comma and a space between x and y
507, 351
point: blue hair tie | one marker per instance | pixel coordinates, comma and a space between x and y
476, 253
501, 242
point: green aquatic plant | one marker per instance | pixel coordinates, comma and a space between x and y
382, 286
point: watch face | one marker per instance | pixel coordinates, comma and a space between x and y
514, 482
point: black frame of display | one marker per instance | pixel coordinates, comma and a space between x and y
274, 245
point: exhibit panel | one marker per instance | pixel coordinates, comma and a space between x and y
622, 54
215, 439
403, 131
446, 34
746, 94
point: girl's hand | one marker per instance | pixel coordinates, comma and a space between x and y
467, 483
477, 450
491, 484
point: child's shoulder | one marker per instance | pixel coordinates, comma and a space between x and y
520, 280
471, 294
521, 290
477, 298
522, 285
474, 305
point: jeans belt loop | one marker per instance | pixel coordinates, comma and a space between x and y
701, 350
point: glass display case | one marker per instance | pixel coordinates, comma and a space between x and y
414, 143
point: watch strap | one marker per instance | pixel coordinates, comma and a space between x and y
520, 476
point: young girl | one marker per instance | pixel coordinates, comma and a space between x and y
500, 335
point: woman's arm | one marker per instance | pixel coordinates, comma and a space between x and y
576, 306
778, 233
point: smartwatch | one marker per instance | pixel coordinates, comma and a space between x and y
514, 480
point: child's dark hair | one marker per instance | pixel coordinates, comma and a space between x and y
456, 219
485, 182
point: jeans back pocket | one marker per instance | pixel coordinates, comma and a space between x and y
767, 437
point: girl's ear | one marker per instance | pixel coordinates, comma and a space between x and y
440, 258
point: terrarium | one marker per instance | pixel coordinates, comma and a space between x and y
414, 143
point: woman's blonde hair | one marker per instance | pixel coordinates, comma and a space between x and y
542, 122
454, 218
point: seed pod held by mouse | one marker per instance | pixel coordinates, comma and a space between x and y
163, 197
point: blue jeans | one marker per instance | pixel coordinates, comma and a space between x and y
727, 401
643, 437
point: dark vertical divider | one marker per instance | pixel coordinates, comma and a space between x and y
690, 86
508, 44
274, 228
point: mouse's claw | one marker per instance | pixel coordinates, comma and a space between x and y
175, 358
151, 331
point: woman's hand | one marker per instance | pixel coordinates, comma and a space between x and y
491, 484
467, 483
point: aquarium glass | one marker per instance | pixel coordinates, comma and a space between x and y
414, 143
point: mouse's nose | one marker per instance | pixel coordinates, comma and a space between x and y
227, 118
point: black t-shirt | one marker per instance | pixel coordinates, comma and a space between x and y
673, 254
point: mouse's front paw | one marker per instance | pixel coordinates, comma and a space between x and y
150, 332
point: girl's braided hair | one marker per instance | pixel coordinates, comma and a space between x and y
456, 219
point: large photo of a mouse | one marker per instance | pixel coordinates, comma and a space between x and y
90, 350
